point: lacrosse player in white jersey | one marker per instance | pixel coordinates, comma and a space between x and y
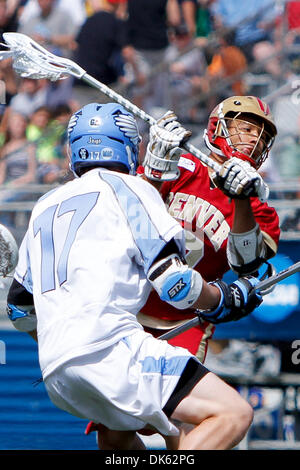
94, 249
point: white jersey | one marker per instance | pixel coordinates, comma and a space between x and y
85, 257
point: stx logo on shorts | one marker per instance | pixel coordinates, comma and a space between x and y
176, 288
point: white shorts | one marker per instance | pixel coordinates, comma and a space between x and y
125, 386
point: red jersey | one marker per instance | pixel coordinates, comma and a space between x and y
207, 215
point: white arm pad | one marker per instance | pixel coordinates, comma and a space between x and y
162, 168
246, 251
175, 283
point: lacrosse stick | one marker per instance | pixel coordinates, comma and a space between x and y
9, 252
262, 286
31, 60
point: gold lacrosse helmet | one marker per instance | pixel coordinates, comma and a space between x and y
233, 113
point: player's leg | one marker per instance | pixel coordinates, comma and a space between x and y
119, 440
218, 415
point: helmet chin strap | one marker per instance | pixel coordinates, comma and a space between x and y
211, 147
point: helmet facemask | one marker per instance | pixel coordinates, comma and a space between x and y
258, 139
224, 135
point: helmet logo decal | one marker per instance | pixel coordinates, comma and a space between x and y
95, 121
127, 124
107, 153
94, 141
264, 107
83, 153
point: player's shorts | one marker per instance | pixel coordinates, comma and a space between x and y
195, 339
137, 382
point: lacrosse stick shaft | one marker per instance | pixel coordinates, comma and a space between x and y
265, 284
180, 329
145, 117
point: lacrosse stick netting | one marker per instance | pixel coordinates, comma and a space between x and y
9, 252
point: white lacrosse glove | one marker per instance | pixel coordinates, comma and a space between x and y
239, 180
163, 152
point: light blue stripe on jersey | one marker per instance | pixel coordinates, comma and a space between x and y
172, 366
144, 232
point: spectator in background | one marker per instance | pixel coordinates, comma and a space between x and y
46, 132
251, 23
204, 21
59, 93
147, 39
197, 16
54, 29
17, 156
58, 169
284, 60
188, 13
218, 79
7, 77
75, 10
50, 29
99, 51
8, 23
39, 121
92, 6
17, 163
8, 19
186, 70
37, 133
32, 94
228, 62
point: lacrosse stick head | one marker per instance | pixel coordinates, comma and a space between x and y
31, 60
9, 252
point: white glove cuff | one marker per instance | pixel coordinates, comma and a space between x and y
161, 169
246, 251
262, 189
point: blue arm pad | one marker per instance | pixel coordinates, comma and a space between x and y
23, 318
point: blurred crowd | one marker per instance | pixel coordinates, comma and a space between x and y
184, 55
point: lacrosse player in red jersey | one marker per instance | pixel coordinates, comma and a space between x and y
227, 221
